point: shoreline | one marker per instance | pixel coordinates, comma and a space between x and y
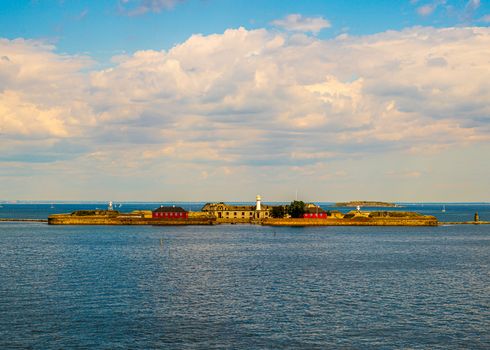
270, 222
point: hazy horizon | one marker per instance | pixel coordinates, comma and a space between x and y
48, 202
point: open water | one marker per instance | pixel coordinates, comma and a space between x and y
243, 287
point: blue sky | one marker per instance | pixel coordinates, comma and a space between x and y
222, 100
106, 28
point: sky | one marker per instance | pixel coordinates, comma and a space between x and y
214, 100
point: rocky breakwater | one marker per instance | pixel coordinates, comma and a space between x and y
354, 218
114, 217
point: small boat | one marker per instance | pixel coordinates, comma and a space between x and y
443, 209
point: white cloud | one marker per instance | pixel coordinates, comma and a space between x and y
42, 94
463, 12
298, 23
473, 4
82, 15
428, 9
140, 7
244, 100
18, 117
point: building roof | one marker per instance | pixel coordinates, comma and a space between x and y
227, 207
173, 209
315, 210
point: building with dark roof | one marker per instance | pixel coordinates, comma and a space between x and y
169, 213
238, 213
314, 212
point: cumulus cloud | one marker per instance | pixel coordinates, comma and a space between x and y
298, 23
248, 98
41, 93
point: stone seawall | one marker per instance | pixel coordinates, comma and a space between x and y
22, 220
423, 221
108, 220
464, 223
234, 221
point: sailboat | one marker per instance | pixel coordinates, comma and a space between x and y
443, 209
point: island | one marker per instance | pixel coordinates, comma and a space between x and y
355, 204
297, 213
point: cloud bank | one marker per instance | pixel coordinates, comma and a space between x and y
228, 103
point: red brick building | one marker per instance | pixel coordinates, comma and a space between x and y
172, 213
315, 213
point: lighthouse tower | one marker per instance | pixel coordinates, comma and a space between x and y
258, 207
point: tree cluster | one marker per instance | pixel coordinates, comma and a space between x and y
278, 211
295, 209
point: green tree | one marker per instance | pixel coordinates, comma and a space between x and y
278, 211
296, 209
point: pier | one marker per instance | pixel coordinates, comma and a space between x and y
22, 220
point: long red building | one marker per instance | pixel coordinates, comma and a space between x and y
169, 213
315, 213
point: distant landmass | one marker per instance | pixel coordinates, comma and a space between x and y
366, 204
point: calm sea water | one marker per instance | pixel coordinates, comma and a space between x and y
243, 287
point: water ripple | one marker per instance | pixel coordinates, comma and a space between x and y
244, 287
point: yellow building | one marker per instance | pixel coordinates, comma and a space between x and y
238, 213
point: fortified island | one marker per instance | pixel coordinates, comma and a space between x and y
295, 214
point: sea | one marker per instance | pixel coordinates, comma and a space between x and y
244, 286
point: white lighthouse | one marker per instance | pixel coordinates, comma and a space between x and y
258, 199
